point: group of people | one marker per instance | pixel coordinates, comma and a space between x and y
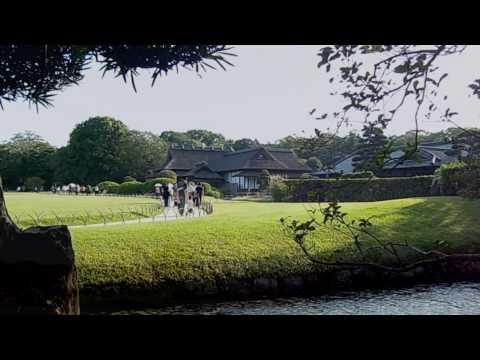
185, 195
76, 189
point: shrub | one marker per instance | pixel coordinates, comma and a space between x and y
168, 174
461, 178
375, 189
307, 176
264, 180
32, 182
129, 178
149, 186
130, 188
278, 189
110, 186
451, 177
206, 187
210, 190
359, 175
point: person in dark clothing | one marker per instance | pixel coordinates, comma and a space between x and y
199, 193
165, 194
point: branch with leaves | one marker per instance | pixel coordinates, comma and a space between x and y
37, 73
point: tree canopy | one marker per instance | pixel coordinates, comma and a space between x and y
36, 73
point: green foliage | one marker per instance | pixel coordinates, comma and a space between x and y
141, 152
314, 163
461, 178
213, 192
307, 176
278, 189
371, 153
451, 175
131, 188
264, 180
168, 174
149, 186
32, 182
110, 186
26, 155
375, 189
358, 175
36, 73
207, 187
129, 178
96, 149
245, 143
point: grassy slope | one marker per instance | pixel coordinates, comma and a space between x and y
244, 239
23, 206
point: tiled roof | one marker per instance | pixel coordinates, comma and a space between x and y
248, 159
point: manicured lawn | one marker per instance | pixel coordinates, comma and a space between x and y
244, 238
29, 209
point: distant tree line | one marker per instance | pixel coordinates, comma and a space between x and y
103, 148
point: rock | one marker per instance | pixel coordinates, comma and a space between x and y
37, 268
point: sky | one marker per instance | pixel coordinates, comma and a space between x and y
267, 95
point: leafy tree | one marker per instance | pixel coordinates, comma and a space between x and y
26, 155
33, 183
314, 163
142, 151
207, 138
244, 143
97, 147
179, 138
370, 156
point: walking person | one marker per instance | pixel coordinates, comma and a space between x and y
199, 191
166, 195
181, 193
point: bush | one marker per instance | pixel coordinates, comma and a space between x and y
129, 178
264, 180
359, 175
375, 189
32, 182
278, 189
149, 186
210, 190
307, 176
206, 187
168, 174
110, 186
461, 178
131, 188
451, 177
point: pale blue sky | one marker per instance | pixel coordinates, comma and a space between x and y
267, 95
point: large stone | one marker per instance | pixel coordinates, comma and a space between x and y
37, 268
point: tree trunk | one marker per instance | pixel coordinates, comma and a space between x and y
37, 268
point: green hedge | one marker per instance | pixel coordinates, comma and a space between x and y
131, 188
461, 178
357, 189
168, 174
110, 186
149, 186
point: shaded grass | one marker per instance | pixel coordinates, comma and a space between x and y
244, 239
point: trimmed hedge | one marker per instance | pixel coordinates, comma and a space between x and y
110, 186
130, 188
357, 189
149, 186
461, 178
168, 174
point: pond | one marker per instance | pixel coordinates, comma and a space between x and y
443, 299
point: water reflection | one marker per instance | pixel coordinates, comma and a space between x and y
460, 298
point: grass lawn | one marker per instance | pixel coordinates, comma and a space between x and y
244, 238
30, 209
